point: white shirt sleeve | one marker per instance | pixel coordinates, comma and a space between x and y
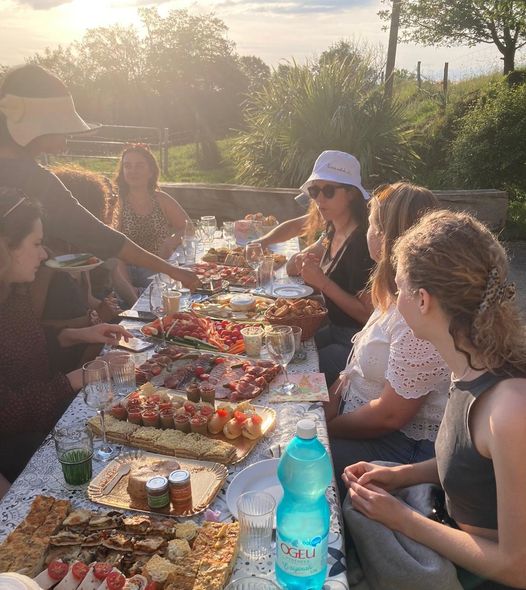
414, 368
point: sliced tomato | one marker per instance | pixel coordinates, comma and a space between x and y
199, 371
219, 360
57, 569
152, 586
115, 581
79, 570
101, 570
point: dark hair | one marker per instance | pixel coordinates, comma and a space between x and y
17, 220
145, 152
93, 191
30, 81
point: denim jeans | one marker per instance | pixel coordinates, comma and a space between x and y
334, 345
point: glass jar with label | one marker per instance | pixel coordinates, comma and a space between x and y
180, 489
157, 492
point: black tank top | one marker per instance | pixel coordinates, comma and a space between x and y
467, 477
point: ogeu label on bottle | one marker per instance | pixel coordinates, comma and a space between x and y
302, 558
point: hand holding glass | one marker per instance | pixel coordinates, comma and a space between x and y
98, 395
281, 346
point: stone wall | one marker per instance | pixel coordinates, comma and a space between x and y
231, 201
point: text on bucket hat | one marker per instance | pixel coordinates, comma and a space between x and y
29, 118
335, 166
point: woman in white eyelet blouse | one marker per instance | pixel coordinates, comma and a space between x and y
389, 400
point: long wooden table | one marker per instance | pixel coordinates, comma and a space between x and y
43, 474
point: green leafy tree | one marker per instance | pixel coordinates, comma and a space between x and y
465, 22
304, 110
256, 71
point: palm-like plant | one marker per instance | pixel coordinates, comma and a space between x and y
303, 111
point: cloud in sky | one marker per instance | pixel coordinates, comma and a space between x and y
292, 6
42, 4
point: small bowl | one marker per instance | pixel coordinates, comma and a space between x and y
252, 583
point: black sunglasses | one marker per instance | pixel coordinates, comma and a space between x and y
329, 190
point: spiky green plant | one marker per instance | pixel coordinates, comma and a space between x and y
303, 111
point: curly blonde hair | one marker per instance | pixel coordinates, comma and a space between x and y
452, 256
393, 209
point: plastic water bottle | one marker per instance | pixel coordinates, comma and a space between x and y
303, 515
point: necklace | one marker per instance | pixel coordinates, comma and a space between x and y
462, 377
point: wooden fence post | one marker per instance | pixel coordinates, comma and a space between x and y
391, 49
445, 81
165, 145
418, 75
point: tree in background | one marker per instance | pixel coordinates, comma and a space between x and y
256, 71
304, 110
465, 22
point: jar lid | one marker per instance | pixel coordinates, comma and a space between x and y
154, 484
179, 476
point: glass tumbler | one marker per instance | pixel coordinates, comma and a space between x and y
74, 445
122, 370
255, 512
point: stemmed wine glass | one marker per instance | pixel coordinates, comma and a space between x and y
98, 395
280, 345
209, 225
156, 301
254, 256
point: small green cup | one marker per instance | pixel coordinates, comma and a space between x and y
74, 446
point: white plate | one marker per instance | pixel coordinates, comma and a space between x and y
258, 477
60, 263
292, 291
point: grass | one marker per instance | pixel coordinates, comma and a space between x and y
183, 165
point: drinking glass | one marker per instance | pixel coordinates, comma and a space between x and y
190, 229
299, 351
122, 370
156, 302
74, 445
209, 225
280, 346
228, 233
189, 249
255, 512
266, 275
98, 395
254, 256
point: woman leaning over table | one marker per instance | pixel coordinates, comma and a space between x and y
338, 264
389, 401
36, 114
453, 291
33, 395
150, 217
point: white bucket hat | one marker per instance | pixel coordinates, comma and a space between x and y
29, 118
335, 166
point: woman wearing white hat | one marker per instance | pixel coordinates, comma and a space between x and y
338, 264
36, 114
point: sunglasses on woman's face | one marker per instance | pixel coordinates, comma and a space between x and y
329, 190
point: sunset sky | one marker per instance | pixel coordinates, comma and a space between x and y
274, 30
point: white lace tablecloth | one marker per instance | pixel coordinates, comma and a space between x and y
43, 475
